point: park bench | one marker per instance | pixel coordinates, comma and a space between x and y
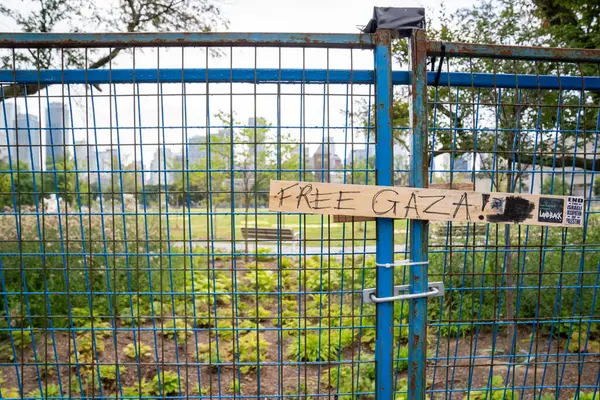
269, 234
459, 231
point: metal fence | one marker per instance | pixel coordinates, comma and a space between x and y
138, 259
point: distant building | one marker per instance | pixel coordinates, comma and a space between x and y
7, 118
325, 162
26, 147
164, 166
57, 134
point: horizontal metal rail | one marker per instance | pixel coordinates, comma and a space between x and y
496, 51
293, 76
187, 39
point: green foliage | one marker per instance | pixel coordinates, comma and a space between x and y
16, 187
135, 350
12, 393
235, 387
252, 349
21, 338
214, 354
347, 380
315, 346
176, 328
138, 389
585, 396
165, 383
497, 391
49, 391
110, 373
556, 186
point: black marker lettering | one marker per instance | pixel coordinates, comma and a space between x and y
460, 203
393, 207
305, 195
340, 199
317, 200
282, 197
408, 207
426, 210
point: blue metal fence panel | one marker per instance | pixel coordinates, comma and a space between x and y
138, 260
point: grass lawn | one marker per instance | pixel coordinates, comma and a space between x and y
314, 228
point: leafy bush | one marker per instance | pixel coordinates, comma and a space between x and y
176, 327
135, 350
165, 383
138, 389
314, 346
251, 350
12, 393
498, 391
235, 387
49, 391
110, 373
347, 380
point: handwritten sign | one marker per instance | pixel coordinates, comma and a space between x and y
426, 204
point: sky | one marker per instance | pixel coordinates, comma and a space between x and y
318, 110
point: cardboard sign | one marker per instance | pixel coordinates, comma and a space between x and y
426, 204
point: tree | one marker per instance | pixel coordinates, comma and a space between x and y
258, 155
551, 140
45, 16
16, 186
59, 179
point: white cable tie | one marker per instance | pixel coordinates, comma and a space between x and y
401, 263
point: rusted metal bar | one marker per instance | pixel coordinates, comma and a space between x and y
176, 39
496, 51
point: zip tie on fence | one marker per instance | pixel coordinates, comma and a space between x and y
401, 263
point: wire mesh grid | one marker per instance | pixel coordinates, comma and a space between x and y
138, 258
520, 316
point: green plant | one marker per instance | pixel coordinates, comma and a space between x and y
138, 389
264, 254
314, 346
12, 393
235, 386
176, 327
585, 396
251, 350
213, 354
200, 390
402, 390
110, 373
497, 391
348, 380
402, 364
138, 349
21, 338
165, 383
49, 391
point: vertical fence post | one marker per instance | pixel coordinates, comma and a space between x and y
385, 226
417, 328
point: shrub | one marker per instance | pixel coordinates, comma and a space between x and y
110, 373
49, 391
348, 380
138, 389
138, 349
165, 383
251, 350
314, 346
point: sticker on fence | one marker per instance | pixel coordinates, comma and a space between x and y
427, 204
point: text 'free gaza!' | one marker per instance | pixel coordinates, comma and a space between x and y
428, 204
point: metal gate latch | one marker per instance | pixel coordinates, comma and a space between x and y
436, 289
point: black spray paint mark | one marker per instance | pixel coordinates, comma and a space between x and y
516, 209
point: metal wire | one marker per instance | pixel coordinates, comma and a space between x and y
125, 271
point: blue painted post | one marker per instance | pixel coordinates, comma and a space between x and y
417, 328
385, 226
